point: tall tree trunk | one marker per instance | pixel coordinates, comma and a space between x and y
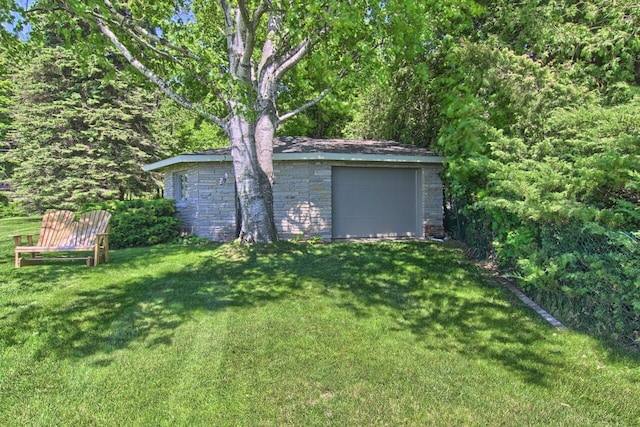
253, 170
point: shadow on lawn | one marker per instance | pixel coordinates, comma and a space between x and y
429, 290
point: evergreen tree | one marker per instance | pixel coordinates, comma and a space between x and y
5, 122
82, 134
5, 101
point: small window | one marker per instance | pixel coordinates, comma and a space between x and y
180, 186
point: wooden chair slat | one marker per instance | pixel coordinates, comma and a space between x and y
55, 226
84, 230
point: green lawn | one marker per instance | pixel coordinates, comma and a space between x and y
292, 334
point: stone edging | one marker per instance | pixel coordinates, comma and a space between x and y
529, 302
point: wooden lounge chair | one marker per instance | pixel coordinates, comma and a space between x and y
60, 233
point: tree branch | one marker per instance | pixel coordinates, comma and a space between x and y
228, 22
293, 57
306, 105
246, 27
259, 12
126, 22
314, 101
131, 31
155, 79
244, 13
146, 43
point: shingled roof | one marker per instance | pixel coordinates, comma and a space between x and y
303, 148
301, 144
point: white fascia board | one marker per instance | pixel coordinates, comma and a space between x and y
389, 158
342, 157
186, 158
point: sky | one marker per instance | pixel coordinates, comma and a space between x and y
24, 34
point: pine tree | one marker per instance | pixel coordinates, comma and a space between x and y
82, 134
5, 102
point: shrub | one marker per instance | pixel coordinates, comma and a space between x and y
589, 276
9, 209
140, 222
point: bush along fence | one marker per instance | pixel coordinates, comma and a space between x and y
585, 274
589, 277
140, 222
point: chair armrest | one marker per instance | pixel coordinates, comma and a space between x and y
104, 237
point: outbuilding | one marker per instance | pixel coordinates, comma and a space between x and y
323, 188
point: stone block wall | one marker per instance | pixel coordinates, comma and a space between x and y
302, 198
432, 201
209, 210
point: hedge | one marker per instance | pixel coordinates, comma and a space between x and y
140, 222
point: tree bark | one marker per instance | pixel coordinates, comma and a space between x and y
253, 185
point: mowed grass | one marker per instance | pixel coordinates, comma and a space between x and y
407, 333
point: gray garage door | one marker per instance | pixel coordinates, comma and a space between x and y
374, 202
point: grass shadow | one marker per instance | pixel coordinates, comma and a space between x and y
143, 296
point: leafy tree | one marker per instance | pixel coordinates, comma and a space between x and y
399, 102
5, 99
182, 131
6, 91
229, 61
81, 135
400, 108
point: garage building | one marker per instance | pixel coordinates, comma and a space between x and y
328, 188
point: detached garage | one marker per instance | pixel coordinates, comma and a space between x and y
332, 189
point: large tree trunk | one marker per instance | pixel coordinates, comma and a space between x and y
253, 169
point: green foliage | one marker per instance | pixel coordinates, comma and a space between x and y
193, 61
6, 92
536, 166
8, 209
182, 131
140, 222
589, 275
398, 101
81, 135
306, 81
400, 109
191, 240
594, 41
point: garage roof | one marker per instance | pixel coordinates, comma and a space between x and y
303, 148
